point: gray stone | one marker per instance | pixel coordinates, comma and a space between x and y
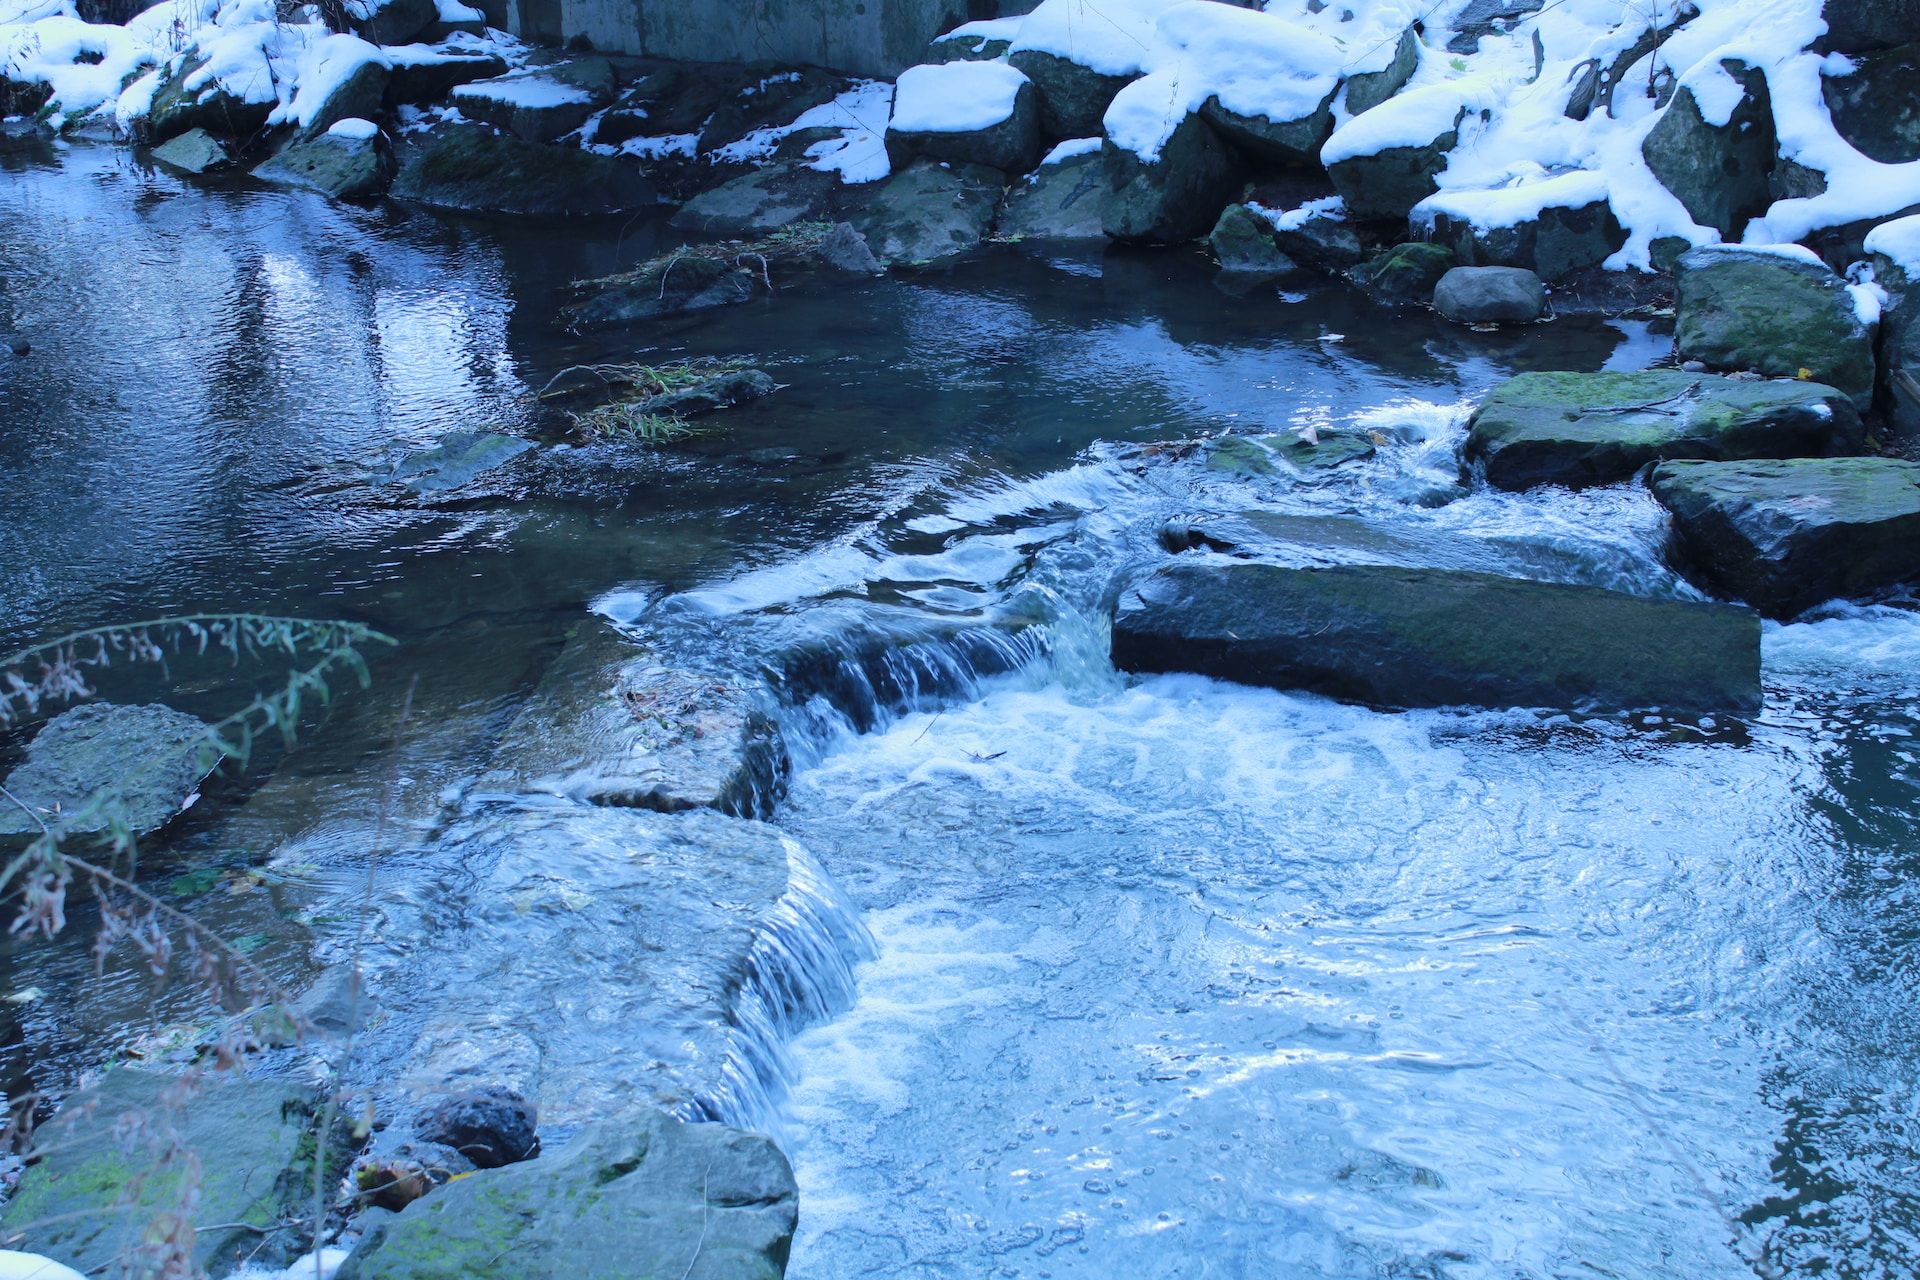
333, 164
1854, 26
1490, 295
962, 45
770, 101
1326, 244
1292, 142
1558, 242
1011, 146
423, 74
196, 151
1405, 275
93, 765
459, 458
613, 724
640, 1196
358, 96
1286, 454
1402, 637
1482, 18
1073, 99
474, 170
1059, 201
255, 1141
1390, 182
540, 104
929, 214
1175, 198
1787, 535
1242, 242
676, 285
760, 201
1740, 309
391, 21
489, 1126
176, 109
723, 391
1371, 88
1597, 428
1876, 108
1719, 172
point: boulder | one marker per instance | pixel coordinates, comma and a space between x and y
427, 73
475, 170
1490, 295
459, 458
1772, 313
207, 105
677, 285
1073, 98
985, 41
770, 101
1060, 200
540, 104
1405, 275
391, 21
350, 83
982, 113
1554, 228
1899, 359
196, 151
1387, 182
1286, 454
640, 1196
1243, 243
1857, 25
489, 1126
101, 763
1597, 428
256, 1142
1876, 106
1482, 18
1325, 242
930, 214
1175, 197
351, 161
1369, 89
1292, 142
613, 724
1401, 637
1720, 172
1789, 534
760, 201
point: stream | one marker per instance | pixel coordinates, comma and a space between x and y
1167, 977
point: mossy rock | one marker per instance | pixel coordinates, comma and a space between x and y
1273, 455
1406, 274
1742, 309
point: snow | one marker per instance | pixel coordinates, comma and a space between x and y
1254, 63
1869, 302
1070, 148
858, 155
955, 97
1414, 118
324, 69
1294, 219
1112, 37
1899, 242
979, 34
454, 11
320, 1266
527, 90
32, 1266
355, 130
1512, 205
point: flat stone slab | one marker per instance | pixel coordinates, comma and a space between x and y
457, 460
612, 724
646, 1196
1787, 535
153, 757
1403, 638
1580, 429
255, 1140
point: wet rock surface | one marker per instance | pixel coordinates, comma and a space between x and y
1059, 201
196, 151
930, 214
1580, 429
1787, 535
644, 1196
759, 202
342, 165
256, 1141
138, 764
1400, 637
489, 1126
1405, 275
1243, 243
458, 460
1744, 309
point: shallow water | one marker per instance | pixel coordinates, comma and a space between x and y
1172, 978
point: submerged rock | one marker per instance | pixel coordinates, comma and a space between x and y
140, 765
722, 391
1718, 171
1058, 201
1243, 243
1490, 295
642, 1196
1174, 198
349, 162
929, 214
459, 458
1787, 535
1772, 313
613, 724
256, 1143
1597, 428
475, 170
1405, 275
1399, 637
489, 1126
196, 151
1275, 455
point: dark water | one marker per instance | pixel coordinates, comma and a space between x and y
1173, 979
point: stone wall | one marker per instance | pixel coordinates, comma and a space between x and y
860, 37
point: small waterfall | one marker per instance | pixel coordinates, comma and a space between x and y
799, 972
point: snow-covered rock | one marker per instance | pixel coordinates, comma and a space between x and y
1718, 166
540, 104
1174, 197
1081, 53
392, 21
1556, 226
1875, 103
340, 78
966, 112
350, 161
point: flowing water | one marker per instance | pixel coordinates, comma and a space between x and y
1168, 977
